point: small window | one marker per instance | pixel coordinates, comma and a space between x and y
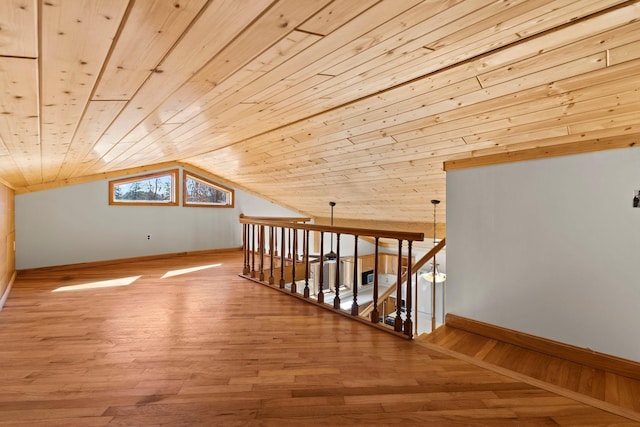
156, 189
199, 192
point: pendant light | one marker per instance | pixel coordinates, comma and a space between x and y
433, 275
331, 255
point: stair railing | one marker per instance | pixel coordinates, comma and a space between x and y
291, 261
367, 310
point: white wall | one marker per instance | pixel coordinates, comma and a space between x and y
549, 247
75, 224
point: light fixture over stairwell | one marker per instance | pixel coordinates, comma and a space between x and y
331, 255
433, 275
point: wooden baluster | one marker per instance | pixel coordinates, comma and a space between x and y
408, 323
304, 244
397, 325
336, 285
306, 263
282, 249
253, 249
261, 249
245, 249
289, 242
321, 272
271, 251
294, 285
354, 305
375, 314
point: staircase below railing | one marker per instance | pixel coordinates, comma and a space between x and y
386, 295
276, 253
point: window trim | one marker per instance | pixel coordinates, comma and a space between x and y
173, 173
186, 174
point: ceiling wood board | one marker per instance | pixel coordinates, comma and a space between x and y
18, 28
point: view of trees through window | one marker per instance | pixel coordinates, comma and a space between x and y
161, 189
157, 188
199, 191
150, 189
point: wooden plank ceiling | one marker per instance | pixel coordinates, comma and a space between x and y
307, 101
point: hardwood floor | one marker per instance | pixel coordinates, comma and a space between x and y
607, 387
121, 345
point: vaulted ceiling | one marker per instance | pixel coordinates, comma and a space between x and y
305, 101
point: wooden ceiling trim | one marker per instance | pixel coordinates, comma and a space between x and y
76, 38
152, 29
18, 23
598, 144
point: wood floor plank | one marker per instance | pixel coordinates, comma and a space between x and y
210, 348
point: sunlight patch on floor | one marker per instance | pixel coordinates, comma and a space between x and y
173, 273
124, 281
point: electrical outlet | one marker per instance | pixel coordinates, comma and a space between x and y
148, 236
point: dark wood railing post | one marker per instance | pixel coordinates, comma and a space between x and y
253, 250
261, 249
306, 263
375, 315
354, 287
294, 285
336, 285
408, 323
282, 248
245, 249
397, 324
289, 242
271, 251
321, 272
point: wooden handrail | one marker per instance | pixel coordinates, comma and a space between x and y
417, 266
285, 246
274, 218
389, 234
